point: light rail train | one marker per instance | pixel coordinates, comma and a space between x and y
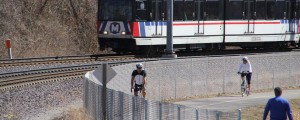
140, 25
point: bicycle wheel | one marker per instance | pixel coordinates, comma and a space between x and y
242, 91
247, 91
243, 88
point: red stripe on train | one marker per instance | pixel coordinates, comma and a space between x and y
135, 29
299, 26
219, 23
98, 26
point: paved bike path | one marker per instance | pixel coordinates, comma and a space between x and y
234, 102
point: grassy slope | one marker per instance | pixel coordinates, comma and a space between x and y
256, 112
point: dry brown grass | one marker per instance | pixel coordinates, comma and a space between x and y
40, 28
249, 113
256, 112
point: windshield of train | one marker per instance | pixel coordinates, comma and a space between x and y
116, 10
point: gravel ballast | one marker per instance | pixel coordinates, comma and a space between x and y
47, 100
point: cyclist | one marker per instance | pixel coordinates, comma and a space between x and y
246, 69
138, 80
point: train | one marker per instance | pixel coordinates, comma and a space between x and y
141, 25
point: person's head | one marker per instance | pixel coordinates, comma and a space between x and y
277, 91
139, 67
245, 59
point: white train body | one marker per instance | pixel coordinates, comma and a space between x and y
138, 25
213, 32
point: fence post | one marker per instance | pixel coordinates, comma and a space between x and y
178, 112
207, 114
133, 106
273, 70
224, 76
121, 97
94, 101
104, 97
217, 115
176, 72
160, 111
197, 112
290, 57
111, 101
86, 94
239, 114
146, 109
97, 103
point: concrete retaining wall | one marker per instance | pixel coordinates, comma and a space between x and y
180, 78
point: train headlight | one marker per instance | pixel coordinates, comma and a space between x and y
123, 33
105, 32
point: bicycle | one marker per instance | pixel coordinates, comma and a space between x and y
244, 85
139, 87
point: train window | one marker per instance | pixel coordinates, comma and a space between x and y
156, 10
189, 10
293, 12
199, 10
141, 10
236, 9
249, 9
116, 10
165, 9
270, 9
213, 10
288, 8
178, 10
297, 9
280, 10
260, 9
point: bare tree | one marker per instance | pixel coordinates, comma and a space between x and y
48, 28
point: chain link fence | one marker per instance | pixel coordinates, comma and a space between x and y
182, 78
121, 106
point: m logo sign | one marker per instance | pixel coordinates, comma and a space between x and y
114, 28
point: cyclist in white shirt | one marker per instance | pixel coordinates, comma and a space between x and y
246, 69
138, 80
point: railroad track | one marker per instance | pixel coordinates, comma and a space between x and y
64, 60
23, 78
114, 57
37, 76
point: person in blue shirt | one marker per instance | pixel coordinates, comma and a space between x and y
278, 106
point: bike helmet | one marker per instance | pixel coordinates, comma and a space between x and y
245, 58
139, 65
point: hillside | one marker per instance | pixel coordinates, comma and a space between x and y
40, 28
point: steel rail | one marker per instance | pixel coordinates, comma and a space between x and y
52, 60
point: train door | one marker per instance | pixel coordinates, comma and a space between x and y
291, 12
297, 16
249, 15
199, 16
157, 17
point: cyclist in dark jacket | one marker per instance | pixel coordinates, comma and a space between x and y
138, 80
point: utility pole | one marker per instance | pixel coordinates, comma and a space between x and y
169, 53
